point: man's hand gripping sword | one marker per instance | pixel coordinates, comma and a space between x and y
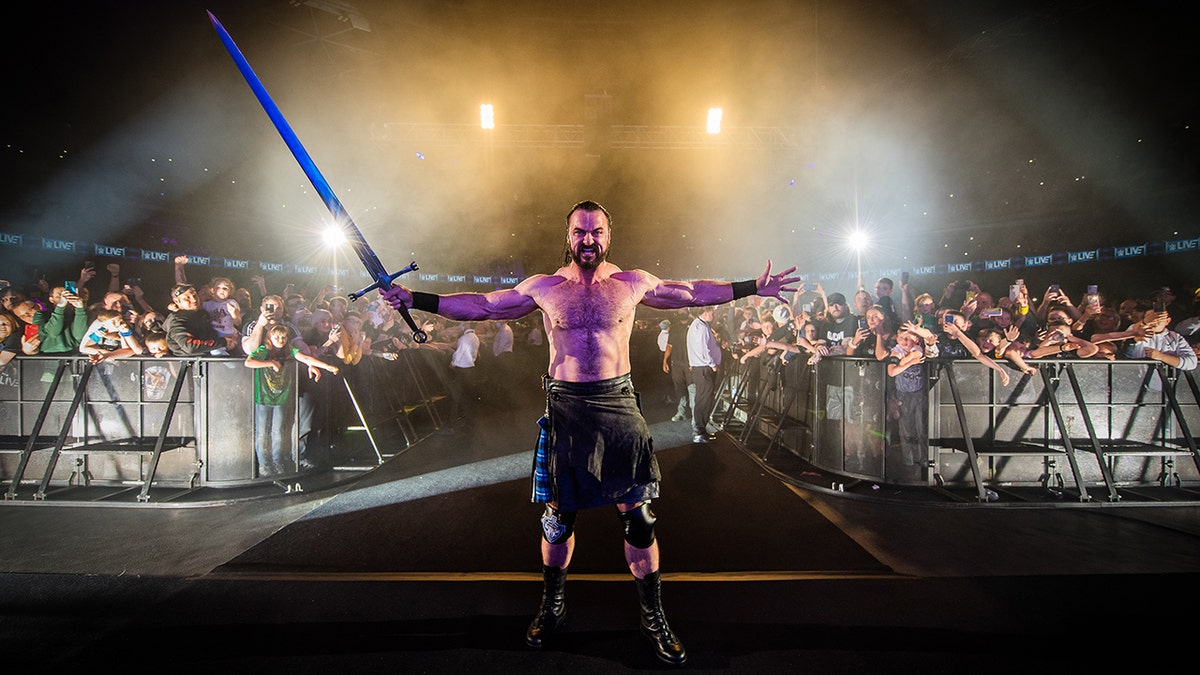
382, 279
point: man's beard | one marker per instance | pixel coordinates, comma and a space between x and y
600, 256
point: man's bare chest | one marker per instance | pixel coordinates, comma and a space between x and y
602, 306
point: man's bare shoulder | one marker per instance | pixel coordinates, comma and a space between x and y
640, 278
540, 281
538, 284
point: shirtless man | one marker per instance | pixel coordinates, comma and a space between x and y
597, 444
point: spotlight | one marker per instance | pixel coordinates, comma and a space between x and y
714, 120
487, 116
858, 240
333, 236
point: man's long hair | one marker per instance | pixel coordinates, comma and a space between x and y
585, 205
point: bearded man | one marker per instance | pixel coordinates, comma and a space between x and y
595, 447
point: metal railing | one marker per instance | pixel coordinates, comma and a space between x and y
1081, 428
179, 424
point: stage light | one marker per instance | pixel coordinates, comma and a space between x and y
858, 240
333, 236
714, 120
487, 117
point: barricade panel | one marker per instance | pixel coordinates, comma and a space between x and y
1120, 429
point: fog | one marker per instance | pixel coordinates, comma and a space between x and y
944, 132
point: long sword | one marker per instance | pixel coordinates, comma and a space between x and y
382, 279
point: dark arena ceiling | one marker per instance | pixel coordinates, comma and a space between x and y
944, 130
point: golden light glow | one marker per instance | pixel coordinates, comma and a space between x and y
714, 120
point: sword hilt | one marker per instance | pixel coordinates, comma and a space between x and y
419, 336
385, 282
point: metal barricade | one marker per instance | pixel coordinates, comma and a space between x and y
173, 425
1089, 428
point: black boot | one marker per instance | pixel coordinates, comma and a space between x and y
654, 623
553, 612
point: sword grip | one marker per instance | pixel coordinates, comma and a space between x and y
419, 336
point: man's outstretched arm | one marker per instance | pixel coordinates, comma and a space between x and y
509, 303
678, 294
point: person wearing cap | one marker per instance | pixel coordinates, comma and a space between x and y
188, 328
839, 325
664, 328
1164, 299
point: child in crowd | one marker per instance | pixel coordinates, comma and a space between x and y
908, 393
223, 310
274, 408
109, 337
156, 344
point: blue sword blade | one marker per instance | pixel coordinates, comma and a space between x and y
379, 273
369, 259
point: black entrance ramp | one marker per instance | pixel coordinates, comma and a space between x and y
719, 513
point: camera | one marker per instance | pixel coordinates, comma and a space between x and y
270, 307
134, 282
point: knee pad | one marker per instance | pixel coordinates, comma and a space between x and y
639, 526
558, 526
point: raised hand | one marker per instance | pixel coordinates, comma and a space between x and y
771, 285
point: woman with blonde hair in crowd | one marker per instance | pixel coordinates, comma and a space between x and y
353, 343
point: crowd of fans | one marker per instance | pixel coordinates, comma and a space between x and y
266, 329
1009, 333
1008, 330
1004, 330
215, 317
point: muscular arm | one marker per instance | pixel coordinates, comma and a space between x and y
678, 294
510, 303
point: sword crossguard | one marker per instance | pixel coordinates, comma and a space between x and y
383, 283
